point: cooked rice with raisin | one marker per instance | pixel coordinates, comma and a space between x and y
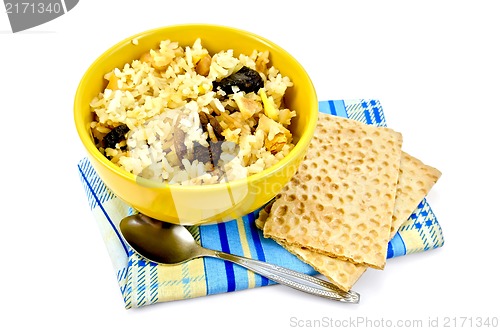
181, 115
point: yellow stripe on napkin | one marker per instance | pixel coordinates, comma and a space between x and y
246, 249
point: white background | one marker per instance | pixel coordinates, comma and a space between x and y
435, 67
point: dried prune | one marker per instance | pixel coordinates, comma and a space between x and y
246, 79
208, 154
115, 136
201, 153
215, 151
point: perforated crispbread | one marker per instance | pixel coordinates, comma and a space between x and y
341, 200
415, 181
342, 273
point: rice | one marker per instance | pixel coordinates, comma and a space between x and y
161, 117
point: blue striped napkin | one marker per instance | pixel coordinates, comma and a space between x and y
144, 283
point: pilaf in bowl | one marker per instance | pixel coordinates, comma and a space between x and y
195, 123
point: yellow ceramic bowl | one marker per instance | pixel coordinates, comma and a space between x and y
206, 203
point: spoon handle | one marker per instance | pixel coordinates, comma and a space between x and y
292, 278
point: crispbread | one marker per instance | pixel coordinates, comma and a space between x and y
415, 181
340, 272
341, 200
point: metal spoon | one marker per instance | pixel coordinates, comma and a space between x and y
166, 243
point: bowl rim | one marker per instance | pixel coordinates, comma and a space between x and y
90, 147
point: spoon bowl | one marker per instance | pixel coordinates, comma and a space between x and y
158, 241
172, 244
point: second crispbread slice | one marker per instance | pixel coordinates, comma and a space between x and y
341, 201
415, 180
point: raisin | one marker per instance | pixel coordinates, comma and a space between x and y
215, 151
115, 136
201, 153
209, 154
246, 79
